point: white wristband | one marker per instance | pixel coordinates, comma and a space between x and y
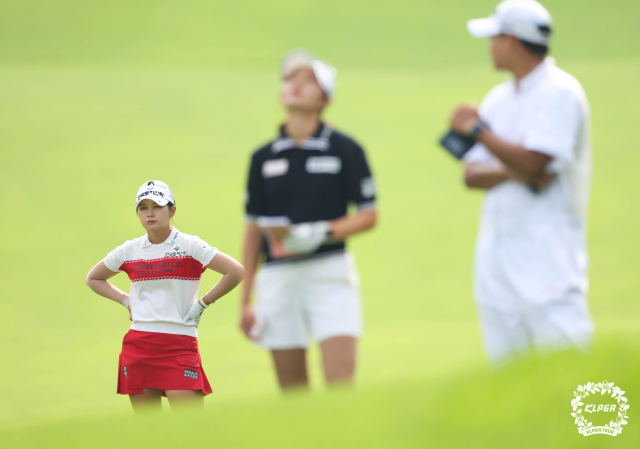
126, 302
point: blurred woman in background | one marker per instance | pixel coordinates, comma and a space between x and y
305, 180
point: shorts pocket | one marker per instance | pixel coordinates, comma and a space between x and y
189, 361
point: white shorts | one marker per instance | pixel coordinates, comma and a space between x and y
561, 324
318, 296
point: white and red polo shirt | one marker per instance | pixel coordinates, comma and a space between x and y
165, 279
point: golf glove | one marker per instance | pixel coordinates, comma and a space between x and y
195, 312
305, 238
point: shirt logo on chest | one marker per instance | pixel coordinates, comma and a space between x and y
324, 164
275, 167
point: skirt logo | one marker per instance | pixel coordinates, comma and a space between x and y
190, 373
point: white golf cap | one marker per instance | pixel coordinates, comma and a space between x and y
325, 73
527, 20
157, 191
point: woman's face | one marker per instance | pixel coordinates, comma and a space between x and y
153, 216
301, 91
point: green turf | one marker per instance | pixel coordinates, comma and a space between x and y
524, 406
96, 98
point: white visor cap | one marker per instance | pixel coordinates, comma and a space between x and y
527, 20
156, 191
324, 72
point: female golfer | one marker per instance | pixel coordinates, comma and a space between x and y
307, 176
160, 355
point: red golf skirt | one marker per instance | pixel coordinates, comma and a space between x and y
160, 361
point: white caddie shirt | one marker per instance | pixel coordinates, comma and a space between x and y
533, 245
165, 279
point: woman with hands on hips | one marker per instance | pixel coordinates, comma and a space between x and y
160, 355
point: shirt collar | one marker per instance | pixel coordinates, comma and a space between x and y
537, 74
171, 240
319, 140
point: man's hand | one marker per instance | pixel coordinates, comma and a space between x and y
305, 238
464, 118
195, 312
540, 182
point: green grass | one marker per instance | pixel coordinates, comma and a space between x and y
95, 99
526, 405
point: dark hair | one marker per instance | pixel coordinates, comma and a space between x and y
536, 49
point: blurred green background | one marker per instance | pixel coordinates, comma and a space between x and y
97, 97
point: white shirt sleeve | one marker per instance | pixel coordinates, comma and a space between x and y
554, 129
115, 259
202, 251
478, 154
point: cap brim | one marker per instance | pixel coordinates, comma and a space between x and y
157, 199
326, 75
483, 28
294, 61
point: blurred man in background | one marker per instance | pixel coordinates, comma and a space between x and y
532, 156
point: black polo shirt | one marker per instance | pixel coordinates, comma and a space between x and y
314, 181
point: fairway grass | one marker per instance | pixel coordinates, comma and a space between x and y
526, 405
